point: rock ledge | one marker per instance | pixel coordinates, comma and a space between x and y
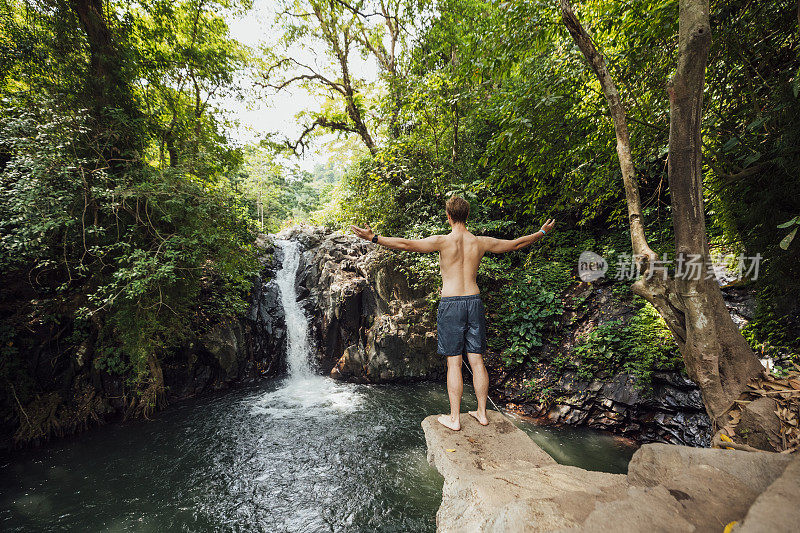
497, 479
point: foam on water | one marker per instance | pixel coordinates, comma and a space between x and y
308, 396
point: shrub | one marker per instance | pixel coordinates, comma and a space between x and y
528, 312
640, 345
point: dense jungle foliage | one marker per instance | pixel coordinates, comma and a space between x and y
128, 215
123, 230
495, 102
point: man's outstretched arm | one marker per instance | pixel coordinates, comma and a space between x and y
500, 246
428, 244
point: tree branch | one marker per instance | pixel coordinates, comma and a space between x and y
618, 116
355, 11
323, 122
338, 87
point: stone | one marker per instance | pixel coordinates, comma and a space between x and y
673, 412
349, 366
497, 479
621, 389
225, 343
778, 507
669, 410
654, 463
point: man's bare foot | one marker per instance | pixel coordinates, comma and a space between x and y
448, 422
481, 419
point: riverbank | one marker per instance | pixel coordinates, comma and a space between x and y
497, 479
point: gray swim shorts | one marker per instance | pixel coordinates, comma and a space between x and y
461, 325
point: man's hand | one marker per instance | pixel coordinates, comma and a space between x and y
548, 226
367, 233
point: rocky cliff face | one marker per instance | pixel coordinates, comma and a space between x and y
673, 412
238, 350
367, 323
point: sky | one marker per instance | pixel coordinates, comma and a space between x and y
276, 112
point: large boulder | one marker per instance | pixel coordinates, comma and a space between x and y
497, 479
654, 464
778, 507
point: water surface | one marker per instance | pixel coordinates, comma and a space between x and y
286, 455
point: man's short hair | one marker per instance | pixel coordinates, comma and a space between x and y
458, 209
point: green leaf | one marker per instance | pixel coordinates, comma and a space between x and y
788, 239
752, 159
795, 220
733, 141
796, 84
757, 123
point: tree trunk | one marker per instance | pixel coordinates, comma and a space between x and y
716, 355
90, 14
108, 87
106, 83
718, 358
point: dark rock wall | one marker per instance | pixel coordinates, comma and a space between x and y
239, 350
672, 412
367, 324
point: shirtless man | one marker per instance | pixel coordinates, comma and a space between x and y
461, 320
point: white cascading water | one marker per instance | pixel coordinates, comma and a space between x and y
297, 347
303, 392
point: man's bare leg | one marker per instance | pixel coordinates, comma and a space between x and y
455, 387
480, 380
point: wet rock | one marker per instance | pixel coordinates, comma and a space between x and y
672, 412
240, 349
368, 324
621, 389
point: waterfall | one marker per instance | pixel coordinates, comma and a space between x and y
298, 348
303, 393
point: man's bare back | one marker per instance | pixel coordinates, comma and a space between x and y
460, 318
460, 253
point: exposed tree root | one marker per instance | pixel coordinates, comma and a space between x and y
48, 415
